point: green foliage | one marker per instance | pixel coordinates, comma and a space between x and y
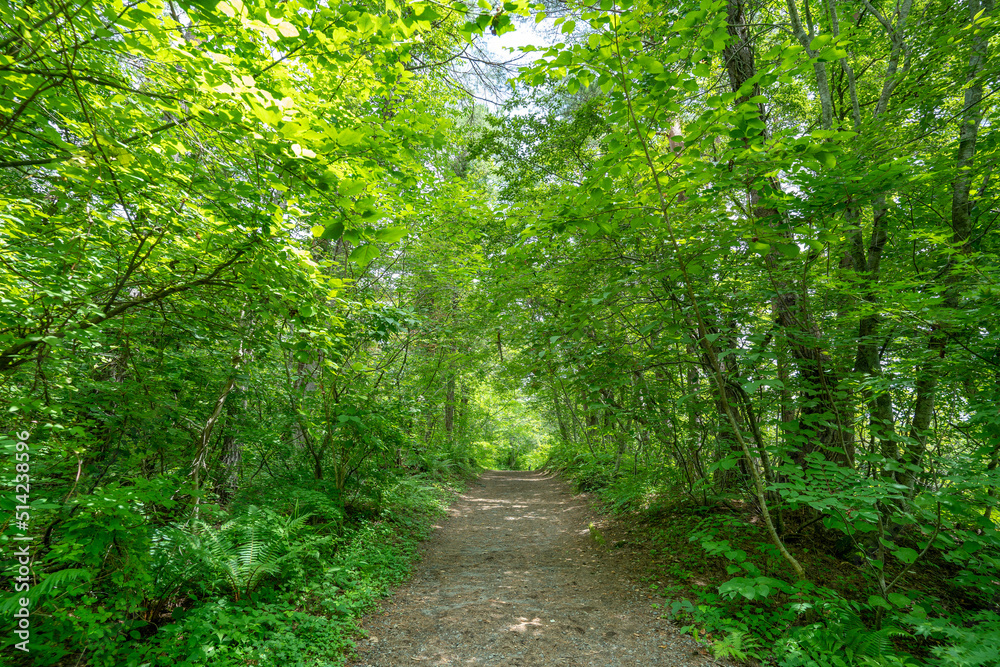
306, 615
431, 464
247, 549
266, 255
842, 639
969, 640
596, 535
513, 437
736, 645
226, 634
588, 473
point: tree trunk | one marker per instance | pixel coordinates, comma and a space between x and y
867, 362
449, 411
961, 228
821, 412
563, 428
231, 458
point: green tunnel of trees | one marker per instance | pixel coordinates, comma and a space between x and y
270, 268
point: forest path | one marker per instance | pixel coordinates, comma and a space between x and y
513, 578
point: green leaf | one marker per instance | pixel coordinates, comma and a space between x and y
907, 555
349, 188
878, 601
391, 234
334, 231
819, 42
364, 254
349, 137
287, 29
790, 250
650, 65
899, 600
826, 158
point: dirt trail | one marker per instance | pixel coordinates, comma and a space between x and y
513, 578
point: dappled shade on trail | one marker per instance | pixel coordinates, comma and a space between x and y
513, 578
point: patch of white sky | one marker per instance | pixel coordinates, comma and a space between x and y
508, 49
526, 33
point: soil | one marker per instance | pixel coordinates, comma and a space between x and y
515, 577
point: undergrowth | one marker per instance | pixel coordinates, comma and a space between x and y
255, 587
713, 571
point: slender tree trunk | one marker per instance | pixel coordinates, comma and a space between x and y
703, 333
923, 409
867, 362
463, 412
199, 463
961, 228
821, 411
852, 86
822, 81
557, 404
576, 426
972, 115
449, 410
231, 458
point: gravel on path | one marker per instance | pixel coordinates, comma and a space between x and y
513, 577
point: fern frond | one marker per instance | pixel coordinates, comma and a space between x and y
877, 643
295, 524
56, 580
